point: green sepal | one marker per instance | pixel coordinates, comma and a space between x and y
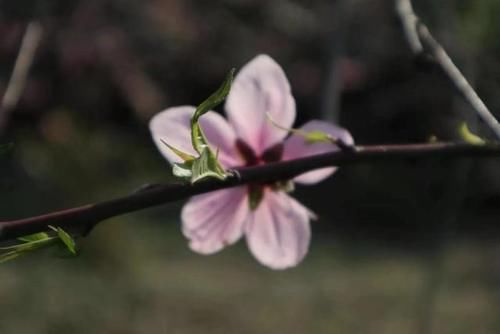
183, 169
206, 166
183, 155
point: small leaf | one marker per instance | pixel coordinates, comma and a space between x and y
311, 137
198, 139
67, 240
318, 137
26, 247
207, 164
36, 241
29, 245
433, 139
470, 137
9, 256
34, 237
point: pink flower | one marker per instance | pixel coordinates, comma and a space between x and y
275, 225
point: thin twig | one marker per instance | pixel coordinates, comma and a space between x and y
330, 106
409, 20
82, 219
422, 43
17, 82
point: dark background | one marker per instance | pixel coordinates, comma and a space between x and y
400, 247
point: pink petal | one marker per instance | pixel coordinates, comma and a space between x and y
215, 220
296, 147
278, 231
173, 126
261, 86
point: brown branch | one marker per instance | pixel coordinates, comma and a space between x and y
423, 44
81, 219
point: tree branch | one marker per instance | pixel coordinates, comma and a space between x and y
81, 220
17, 82
423, 45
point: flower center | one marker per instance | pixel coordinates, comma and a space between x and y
272, 154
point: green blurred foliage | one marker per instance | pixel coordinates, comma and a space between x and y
145, 280
478, 23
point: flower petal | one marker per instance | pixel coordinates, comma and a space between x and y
173, 126
278, 231
215, 220
261, 86
296, 147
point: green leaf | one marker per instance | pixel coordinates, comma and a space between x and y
311, 137
34, 237
68, 241
318, 137
9, 256
206, 165
26, 247
470, 137
32, 242
198, 139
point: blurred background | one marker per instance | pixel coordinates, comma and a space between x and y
400, 247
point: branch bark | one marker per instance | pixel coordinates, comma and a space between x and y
80, 220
